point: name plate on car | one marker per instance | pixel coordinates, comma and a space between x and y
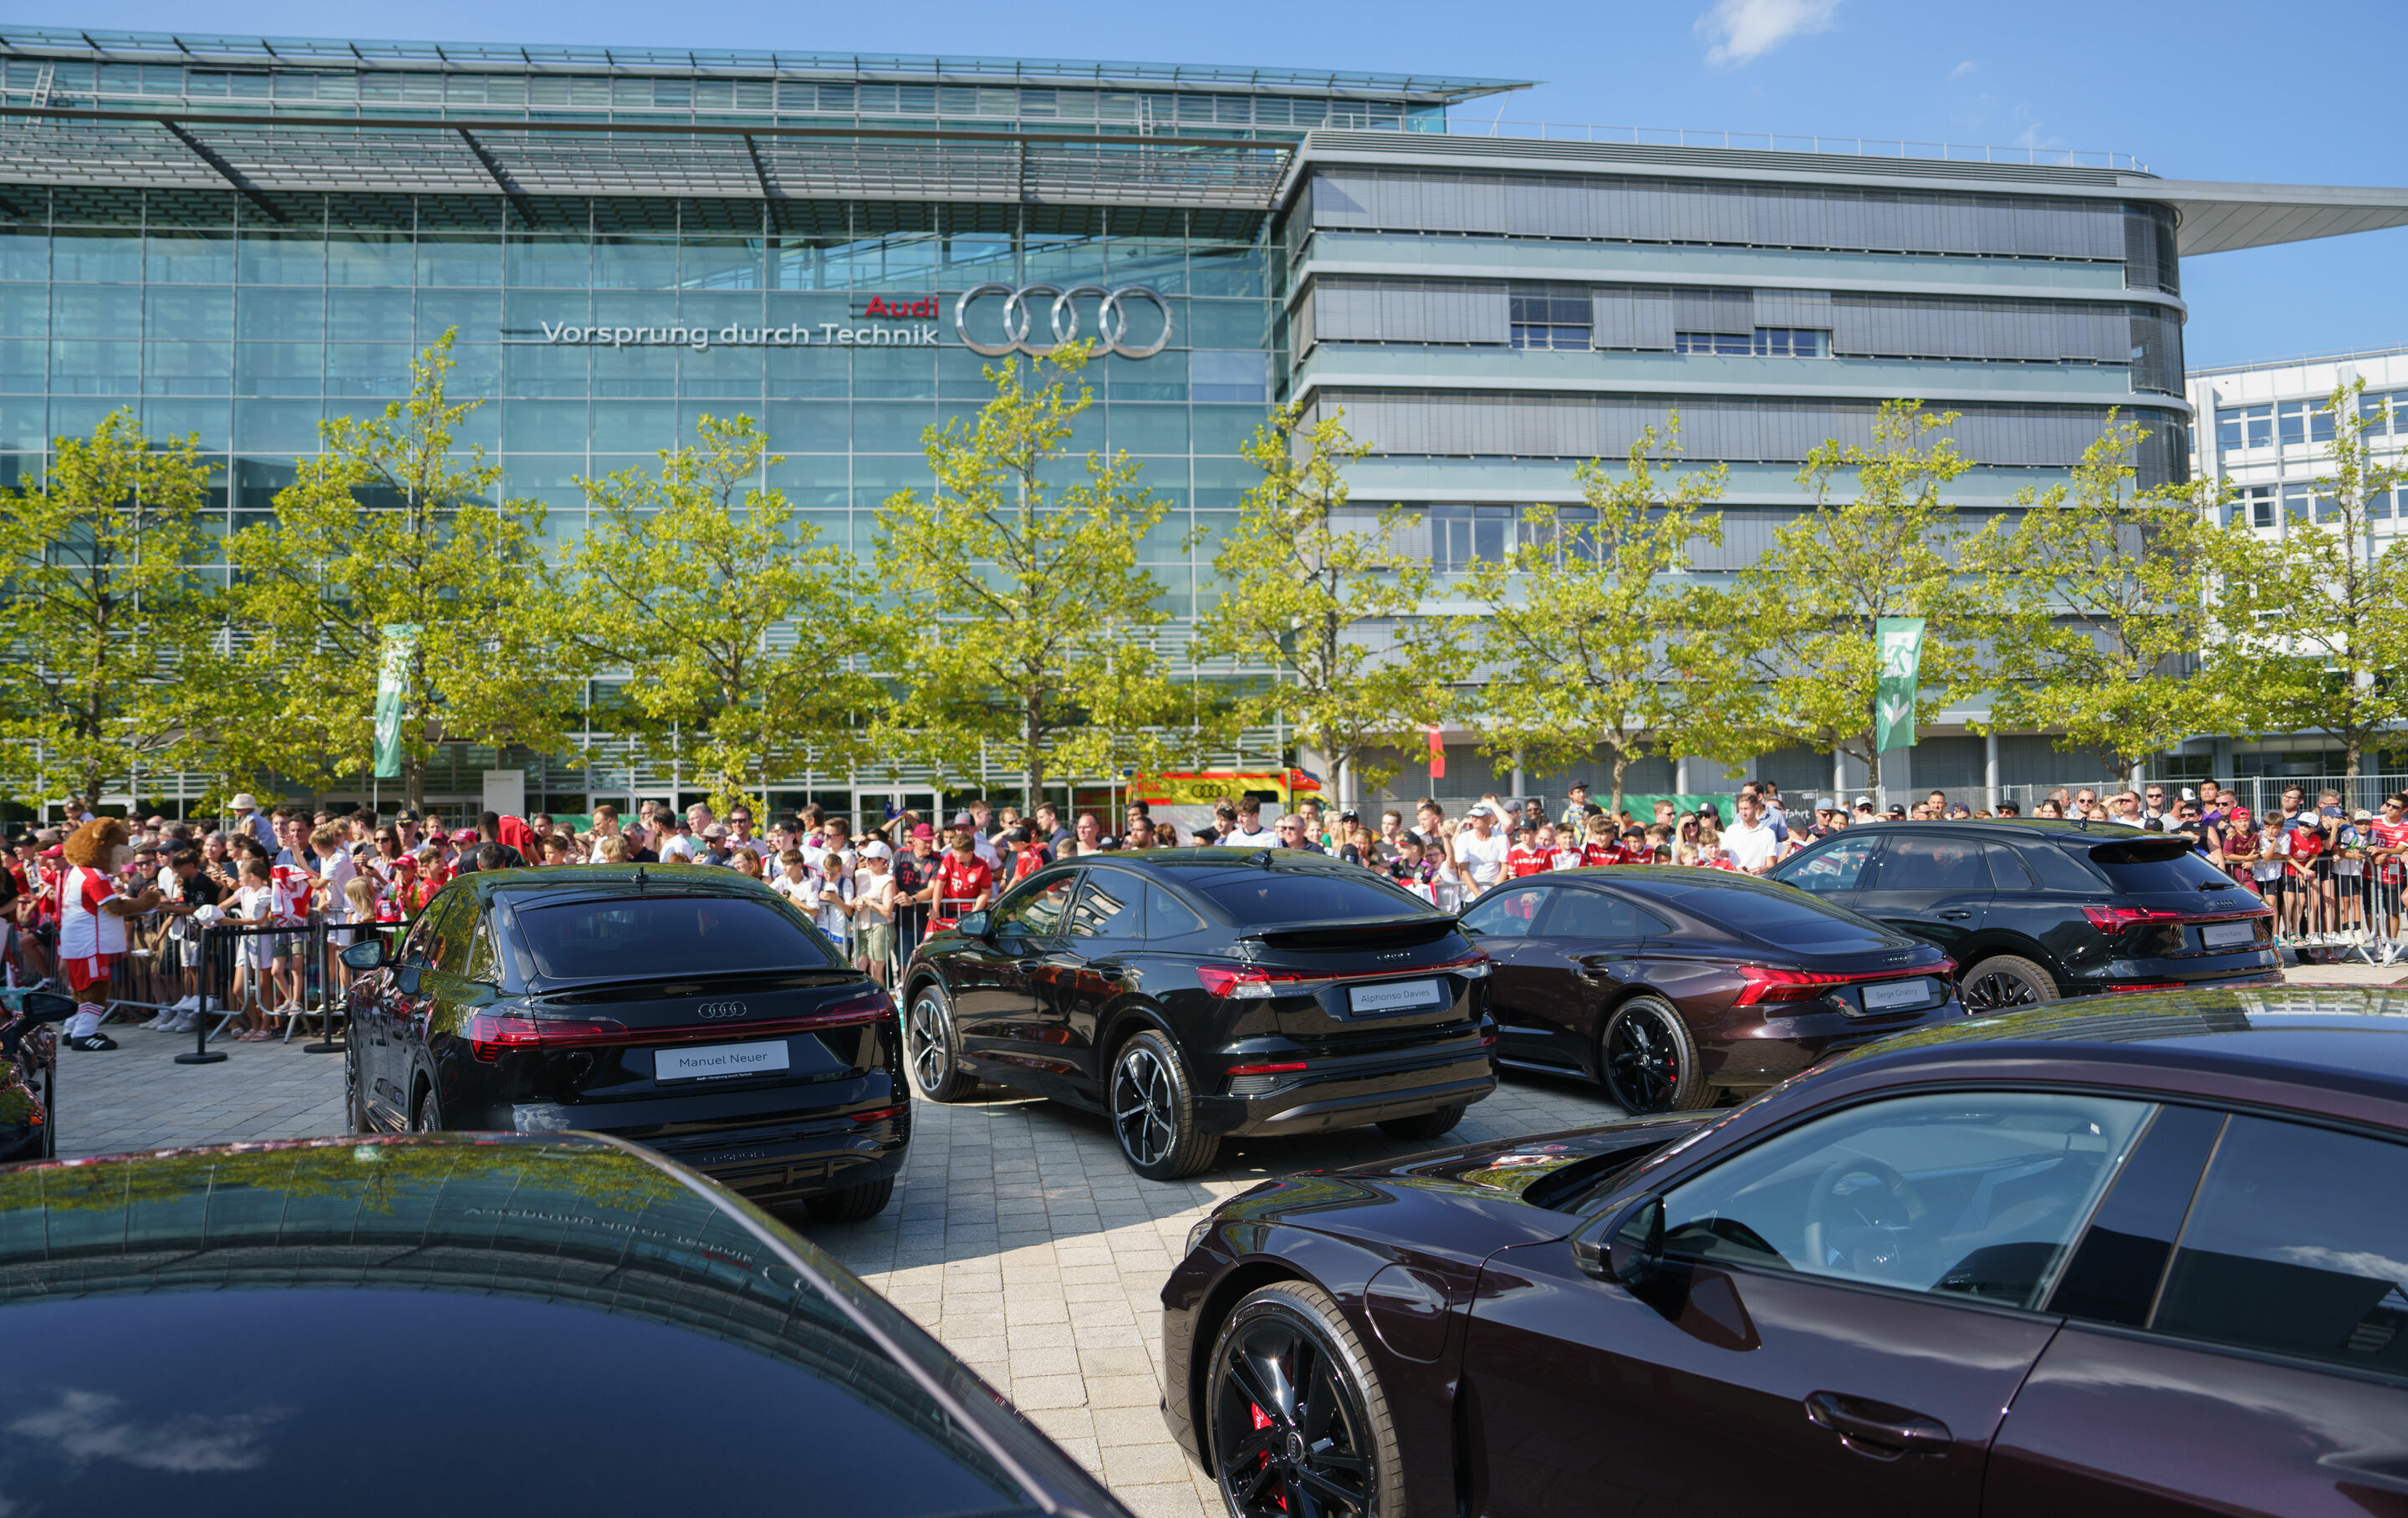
2226, 935
1395, 997
1887, 993
718, 1060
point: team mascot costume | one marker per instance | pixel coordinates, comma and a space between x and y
92, 922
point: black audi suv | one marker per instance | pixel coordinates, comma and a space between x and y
2035, 909
692, 1010
1193, 994
195, 1331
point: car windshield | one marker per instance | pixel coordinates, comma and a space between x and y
1784, 918
610, 938
1258, 896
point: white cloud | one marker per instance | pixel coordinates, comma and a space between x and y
1961, 69
1743, 31
86, 1425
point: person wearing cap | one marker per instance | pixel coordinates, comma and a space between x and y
1480, 852
2387, 842
248, 817
914, 869
873, 912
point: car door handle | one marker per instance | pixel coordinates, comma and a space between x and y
1111, 972
1598, 962
1877, 1430
1028, 967
1955, 914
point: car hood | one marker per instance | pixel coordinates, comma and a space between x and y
1467, 1202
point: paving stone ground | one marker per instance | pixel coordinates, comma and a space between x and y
1018, 1237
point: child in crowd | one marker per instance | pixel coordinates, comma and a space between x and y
254, 907
1526, 858
1600, 849
1412, 870
834, 896
873, 913
793, 883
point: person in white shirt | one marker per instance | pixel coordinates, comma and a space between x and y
793, 881
1249, 833
1750, 841
677, 845
1480, 852
836, 894
873, 912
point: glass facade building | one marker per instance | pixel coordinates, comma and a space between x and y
238, 238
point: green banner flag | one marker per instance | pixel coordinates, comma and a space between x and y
1902, 656
393, 678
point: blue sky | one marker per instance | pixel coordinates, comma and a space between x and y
2207, 90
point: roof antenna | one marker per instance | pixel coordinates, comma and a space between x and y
1261, 859
641, 878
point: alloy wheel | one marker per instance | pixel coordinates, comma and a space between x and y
931, 1048
1993, 989
1289, 1438
1144, 1106
1642, 1060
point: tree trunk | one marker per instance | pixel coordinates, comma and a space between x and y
2353, 750
1621, 764
1033, 763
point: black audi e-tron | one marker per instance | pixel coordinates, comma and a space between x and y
1194, 994
689, 1009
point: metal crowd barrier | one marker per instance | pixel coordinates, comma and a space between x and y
2342, 908
310, 948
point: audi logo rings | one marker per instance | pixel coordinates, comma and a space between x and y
1061, 320
721, 1008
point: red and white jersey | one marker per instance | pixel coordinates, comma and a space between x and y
293, 886
1600, 853
84, 929
2385, 835
1525, 862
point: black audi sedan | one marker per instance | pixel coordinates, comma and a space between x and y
689, 1010
2147, 1255
482, 1323
2033, 910
1674, 986
1192, 993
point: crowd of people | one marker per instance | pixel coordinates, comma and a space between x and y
282, 873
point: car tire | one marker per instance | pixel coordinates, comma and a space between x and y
1289, 1344
1648, 1061
1152, 1104
2003, 982
931, 1050
853, 1204
425, 1113
1436, 1124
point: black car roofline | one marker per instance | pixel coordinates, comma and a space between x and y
1417, 920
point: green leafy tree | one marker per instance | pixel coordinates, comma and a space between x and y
1592, 635
2312, 634
741, 640
389, 523
109, 651
1799, 622
2095, 603
1023, 616
1315, 591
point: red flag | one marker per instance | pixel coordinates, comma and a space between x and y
1437, 756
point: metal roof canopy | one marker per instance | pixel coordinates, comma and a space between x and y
262, 156
488, 57
2218, 218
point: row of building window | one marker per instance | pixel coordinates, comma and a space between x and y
2269, 506
2287, 422
65, 80
1764, 342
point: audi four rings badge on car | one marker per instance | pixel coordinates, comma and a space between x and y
721, 1008
1062, 318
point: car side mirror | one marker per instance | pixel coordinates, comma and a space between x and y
973, 924
1628, 1246
367, 955
47, 1006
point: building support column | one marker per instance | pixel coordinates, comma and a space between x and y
1990, 769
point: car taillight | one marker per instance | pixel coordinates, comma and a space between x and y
1288, 1068
1472, 968
2148, 985
880, 1115
1766, 983
1243, 983
489, 1034
2117, 919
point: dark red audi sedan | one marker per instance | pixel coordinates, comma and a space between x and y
2149, 1257
1672, 987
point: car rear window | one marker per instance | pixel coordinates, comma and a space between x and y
1786, 917
1258, 896
2137, 869
608, 938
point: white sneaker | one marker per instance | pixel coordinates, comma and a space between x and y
188, 1004
184, 1023
158, 1019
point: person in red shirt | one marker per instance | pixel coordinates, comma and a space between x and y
1600, 849
1635, 848
2387, 841
1025, 858
964, 882
1526, 858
